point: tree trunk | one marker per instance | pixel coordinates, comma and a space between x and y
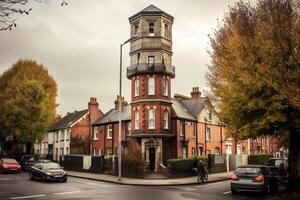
293, 160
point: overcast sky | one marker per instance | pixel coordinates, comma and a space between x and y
79, 45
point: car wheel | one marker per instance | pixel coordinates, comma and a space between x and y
31, 176
234, 192
267, 190
65, 179
44, 179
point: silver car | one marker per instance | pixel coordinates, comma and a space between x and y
253, 178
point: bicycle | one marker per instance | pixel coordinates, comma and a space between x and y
202, 177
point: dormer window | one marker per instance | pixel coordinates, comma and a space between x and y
151, 29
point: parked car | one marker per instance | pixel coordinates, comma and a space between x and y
279, 166
9, 165
253, 178
44, 161
27, 161
47, 171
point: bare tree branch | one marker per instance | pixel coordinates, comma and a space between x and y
10, 8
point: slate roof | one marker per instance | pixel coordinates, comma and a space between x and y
68, 120
188, 109
179, 111
151, 10
113, 116
194, 106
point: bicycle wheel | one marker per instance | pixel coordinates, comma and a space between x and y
199, 179
205, 178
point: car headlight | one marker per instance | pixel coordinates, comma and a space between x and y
48, 173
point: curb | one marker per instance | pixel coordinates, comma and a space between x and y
143, 184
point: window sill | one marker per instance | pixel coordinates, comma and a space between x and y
96, 139
208, 140
109, 138
181, 135
194, 137
151, 128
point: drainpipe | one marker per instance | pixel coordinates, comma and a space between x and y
221, 142
196, 129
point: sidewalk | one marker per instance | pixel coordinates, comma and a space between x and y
151, 182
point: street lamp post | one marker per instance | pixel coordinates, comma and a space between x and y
120, 111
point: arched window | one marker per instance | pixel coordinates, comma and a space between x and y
136, 119
151, 86
151, 118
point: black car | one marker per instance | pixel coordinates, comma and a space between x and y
27, 161
253, 178
47, 171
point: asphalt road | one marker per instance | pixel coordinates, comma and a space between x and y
18, 186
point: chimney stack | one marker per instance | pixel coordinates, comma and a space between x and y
195, 94
123, 102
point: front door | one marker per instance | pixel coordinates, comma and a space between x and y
152, 159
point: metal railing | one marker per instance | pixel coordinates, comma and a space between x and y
150, 68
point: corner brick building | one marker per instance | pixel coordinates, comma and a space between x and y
159, 126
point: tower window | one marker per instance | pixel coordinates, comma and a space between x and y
151, 86
136, 87
166, 119
151, 29
136, 119
151, 119
136, 29
151, 62
166, 30
166, 87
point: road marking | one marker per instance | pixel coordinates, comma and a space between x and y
5, 179
71, 192
190, 189
19, 178
27, 197
200, 186
228, 192
97, 184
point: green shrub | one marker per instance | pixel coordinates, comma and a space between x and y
133, 165
184, 164
261, 159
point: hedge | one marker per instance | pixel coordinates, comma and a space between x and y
184, 164
261, 159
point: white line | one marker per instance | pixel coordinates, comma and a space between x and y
200, 186
5, 179
101, 185
71, 192
190, 189
27, 197
227, 192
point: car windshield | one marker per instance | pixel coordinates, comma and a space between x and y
29, 158
11, 161
51, 166
248, 170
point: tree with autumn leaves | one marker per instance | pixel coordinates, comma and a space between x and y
255, 72
27, 102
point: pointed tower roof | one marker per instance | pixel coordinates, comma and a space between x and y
151, 10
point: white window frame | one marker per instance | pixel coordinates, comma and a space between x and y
151, 61
151, 28
166, 119
96, 133
136, 120
208, 133
136, 87
151, 118
151, 86
180, 128
166, 87
109, 131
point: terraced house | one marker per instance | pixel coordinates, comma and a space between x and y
159, 126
